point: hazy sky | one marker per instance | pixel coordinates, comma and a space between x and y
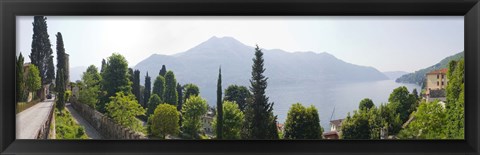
386, 43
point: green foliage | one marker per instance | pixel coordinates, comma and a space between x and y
219, 119
191, 90
60, 104
170, 95
428, 123
163, 71
153, 102
164, 121
61, 62
302, 123
123, 109
20, 81
136, 85
90, 87
180, 96
233, 119
104, 64
238, 94
33, 81
68, 94
41, 53
148, 90
419, 76
455, 124
404, 102
389, 118
194, 108
159, 86
261, 123
66, 127
366, 104
114, 79
357, 126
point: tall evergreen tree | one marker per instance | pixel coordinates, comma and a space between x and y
159, 87
20, 80
114, 79
170, 95
60, 91
61, 63
148, 90
130, 75
219, 106
180, 96
136, 84
163, 71
104, 64
262, 122
41, 54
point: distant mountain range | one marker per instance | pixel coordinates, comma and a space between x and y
418, 77
394, 74
199, 65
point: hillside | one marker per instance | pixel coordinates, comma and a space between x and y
418, 77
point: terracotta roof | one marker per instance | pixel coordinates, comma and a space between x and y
440, 71
330, 133
337, 122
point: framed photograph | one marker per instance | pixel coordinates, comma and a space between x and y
236, 77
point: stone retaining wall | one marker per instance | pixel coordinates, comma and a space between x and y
106, 126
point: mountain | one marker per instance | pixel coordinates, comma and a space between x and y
418, 77
394, 74
199, 65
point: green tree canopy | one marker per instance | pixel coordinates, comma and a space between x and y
148, 89
191, 90
366, 104
164, 121
302, 123
41, 54
194, 108
123, 109
60, 104
404, 102
90, 87
238, 94
455, 124
233, 119
428, 123
33, 81
153, 102
163, 71
219, 119
20, 90
170, 95
159, 87
115, 78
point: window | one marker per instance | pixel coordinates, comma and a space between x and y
443, 76
438, 83
438, 76
442, 83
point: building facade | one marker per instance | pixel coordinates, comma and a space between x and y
436, 82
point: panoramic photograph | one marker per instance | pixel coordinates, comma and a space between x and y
240, 77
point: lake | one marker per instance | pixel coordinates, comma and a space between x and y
345, 97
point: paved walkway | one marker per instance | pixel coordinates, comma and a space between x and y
29, 121
91, 132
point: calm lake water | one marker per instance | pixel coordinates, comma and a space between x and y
345, 97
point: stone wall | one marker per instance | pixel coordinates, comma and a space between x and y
106, 126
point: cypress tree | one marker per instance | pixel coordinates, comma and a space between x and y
170, 95
219, 105
262, 122
41, 53
61, 63
60, 91
180, 96
104, 64
148, 90
136, 84
20, 81
159, 87
163, 71
130, 75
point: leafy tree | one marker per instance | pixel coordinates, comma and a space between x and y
262, 123
90, 87
114, 79
20, 90
233, 119
404, 102
191, 90
428, 123
219, 119
123, 109
455, 124
366, 104
41, 54
302, 123
237, 94
153, 102
180, 96
389, 118
415, 94
148, 90
164, 121
163, 71
170, 95
357, 126
159, 87
33, 81
60, 104
130, 75
136, 85
194, 108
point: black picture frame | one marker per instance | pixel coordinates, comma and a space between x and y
470, 9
